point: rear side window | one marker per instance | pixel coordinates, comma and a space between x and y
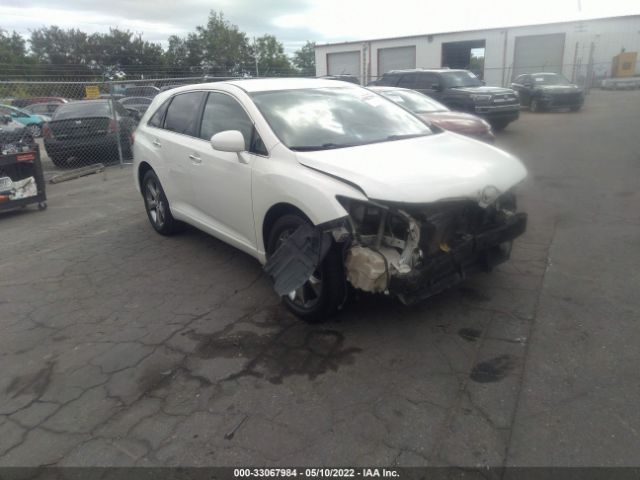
157, 119
425, 81
408, 81
390, 80
223, 112
183, 113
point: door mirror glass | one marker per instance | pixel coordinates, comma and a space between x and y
228, 141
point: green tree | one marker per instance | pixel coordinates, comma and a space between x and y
225, 49
270, 56
12, 48
305, 59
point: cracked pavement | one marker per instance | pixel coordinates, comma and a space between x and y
122, 347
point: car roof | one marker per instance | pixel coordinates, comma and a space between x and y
382, 88
251, 85
544, 73
431, 70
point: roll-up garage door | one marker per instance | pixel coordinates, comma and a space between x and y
538, 53
344, 63
397, 58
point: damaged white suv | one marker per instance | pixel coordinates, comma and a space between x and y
327, 184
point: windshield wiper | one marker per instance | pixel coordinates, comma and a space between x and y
324, 146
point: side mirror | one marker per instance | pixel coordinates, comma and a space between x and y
483, 82
14, 114
435, 87
228, 141
527, 85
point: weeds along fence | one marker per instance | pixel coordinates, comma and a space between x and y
78, 123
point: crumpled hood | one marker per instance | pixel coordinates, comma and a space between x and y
484, 89
420, 170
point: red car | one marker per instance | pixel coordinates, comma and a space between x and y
435, 113
23, 102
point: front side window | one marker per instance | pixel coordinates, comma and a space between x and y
460, 79
222, 112
182, 114
325, 118
550, 79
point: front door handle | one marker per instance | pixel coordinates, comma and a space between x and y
157, 143
195, 158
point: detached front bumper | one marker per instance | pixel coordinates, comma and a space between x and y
440, 272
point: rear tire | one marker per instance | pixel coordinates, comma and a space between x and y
58, 160
329, 294
157, 206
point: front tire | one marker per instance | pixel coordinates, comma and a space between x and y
157, 206
34, 130
535, 106
325, 292
499, 125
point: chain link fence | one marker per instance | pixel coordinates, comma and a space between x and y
79, 123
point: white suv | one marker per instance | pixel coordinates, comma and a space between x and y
327, 184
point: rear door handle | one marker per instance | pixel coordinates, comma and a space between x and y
157, 143
195, 158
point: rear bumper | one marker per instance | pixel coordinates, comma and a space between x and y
551, 102
77, 146
478, 253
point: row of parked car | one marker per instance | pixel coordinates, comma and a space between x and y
463, 91
74, 129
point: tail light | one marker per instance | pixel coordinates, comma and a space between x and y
46, 131
113, 126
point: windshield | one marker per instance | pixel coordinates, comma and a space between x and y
324, 118
460, 79
550, 80
82, 109
414, 101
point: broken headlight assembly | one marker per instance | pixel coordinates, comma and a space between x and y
385, 243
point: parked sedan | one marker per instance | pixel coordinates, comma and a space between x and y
327, 184
87, 129
435, 113
546, 91
32, 122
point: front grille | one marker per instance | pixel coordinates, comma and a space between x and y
504, 99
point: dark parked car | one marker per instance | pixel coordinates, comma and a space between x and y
435, 113
137, 105
459, 90
87, 129
13, 136
545, 91
141, 91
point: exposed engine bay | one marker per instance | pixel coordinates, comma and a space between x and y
406, 250
415, 251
